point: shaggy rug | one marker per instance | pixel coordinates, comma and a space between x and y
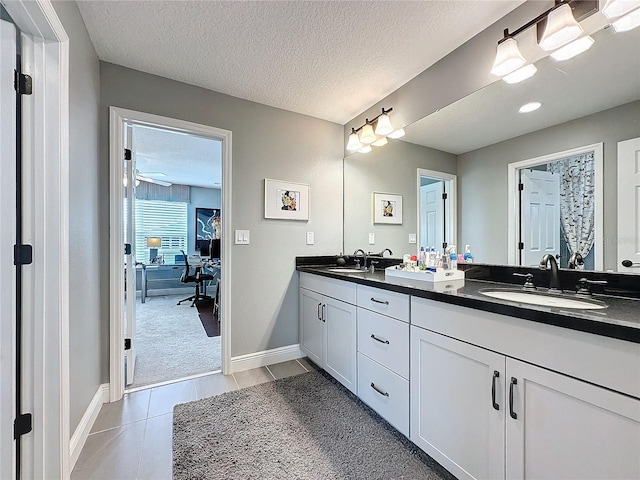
303, 427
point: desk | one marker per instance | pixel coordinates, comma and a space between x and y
162, 279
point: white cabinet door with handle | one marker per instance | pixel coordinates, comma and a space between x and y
311, 325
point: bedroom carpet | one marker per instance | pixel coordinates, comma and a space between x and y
303, 427
171, 342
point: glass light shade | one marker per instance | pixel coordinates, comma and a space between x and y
573, 49
365, 149
354, 142
508, 58
521, 74
561, 28
628, 22
530, 107
366, 134
615, 8
154, 242
397, 134
380, 142
383, 125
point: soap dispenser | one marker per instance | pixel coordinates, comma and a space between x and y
468, 258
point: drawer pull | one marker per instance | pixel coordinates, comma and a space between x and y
379, 339
373, 385
319, 305
514, 381
496, 374
384, 302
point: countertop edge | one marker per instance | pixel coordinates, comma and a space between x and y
620, 332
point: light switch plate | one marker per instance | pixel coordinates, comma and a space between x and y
242, 237
372, 239
412, 238
310, 238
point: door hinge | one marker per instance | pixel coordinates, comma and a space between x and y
520, 187
127, 249
127, 344
22, 254
520, 246
22, 425
22, 83
444, 196
127, 154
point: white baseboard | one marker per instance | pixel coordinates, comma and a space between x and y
81, 433
266, 357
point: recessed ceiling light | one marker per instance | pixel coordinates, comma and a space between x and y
529, 107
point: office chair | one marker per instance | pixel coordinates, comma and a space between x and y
198, 278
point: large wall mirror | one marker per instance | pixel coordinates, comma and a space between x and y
591, 99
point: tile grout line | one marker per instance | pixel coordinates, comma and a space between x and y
269, 370
300, 363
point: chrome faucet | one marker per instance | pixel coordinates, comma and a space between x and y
385, 250
554, 284
364, 258
575, 259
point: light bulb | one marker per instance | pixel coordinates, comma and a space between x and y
521, 74
561, 28
573, 49
508, 58
383, 125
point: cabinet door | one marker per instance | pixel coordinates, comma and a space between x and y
569, 429
311, 325
453, 417
340, 341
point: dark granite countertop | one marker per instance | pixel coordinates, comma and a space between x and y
621, 318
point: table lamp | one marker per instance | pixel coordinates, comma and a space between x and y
153, 244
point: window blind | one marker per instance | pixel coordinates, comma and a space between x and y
164, 219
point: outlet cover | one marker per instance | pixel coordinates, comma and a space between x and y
412, 238
310, 238
372, 239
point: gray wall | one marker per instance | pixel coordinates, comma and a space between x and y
267, 143
200, 198
388, 169
88, 306
482, 178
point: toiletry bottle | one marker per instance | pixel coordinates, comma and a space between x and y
445, 259
468, 258
422, 258
431, 260
453, 257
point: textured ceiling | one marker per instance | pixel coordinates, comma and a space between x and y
328, 59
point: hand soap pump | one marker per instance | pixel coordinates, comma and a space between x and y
453, 257
468, 258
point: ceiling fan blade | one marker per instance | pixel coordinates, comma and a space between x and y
153, 180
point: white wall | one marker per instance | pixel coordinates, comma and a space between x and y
88, 239
267, 143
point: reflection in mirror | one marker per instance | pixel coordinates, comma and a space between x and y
436, 215
591, 99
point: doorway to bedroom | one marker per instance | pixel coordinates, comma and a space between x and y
172, 213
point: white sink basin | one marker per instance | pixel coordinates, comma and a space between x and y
543, 299
347, 270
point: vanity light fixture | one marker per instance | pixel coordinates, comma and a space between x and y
628, 22
616, 8
573, 49
361, 138
508, 56
561, 28
529, 107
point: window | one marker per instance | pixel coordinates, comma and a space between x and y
159, 218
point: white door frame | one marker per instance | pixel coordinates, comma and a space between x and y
117, 119
45, 173
513, 215
451, 212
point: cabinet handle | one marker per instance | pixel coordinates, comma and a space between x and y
324, 317
379, 339
496, 374
373, 385
514, 381
384, 302
319, 305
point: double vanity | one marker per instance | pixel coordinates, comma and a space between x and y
487, 385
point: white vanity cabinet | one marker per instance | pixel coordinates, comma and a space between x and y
492, 413
383, 354
327, 326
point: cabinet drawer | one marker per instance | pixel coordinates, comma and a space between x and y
393, 304
390, 397
345, 291
385, 340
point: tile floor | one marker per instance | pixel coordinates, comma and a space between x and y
132, 438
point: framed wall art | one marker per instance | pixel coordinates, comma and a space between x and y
387, 208
286, 200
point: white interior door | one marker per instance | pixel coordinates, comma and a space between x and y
629, 205
540, 215
431, 215
7, 240
130, 258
